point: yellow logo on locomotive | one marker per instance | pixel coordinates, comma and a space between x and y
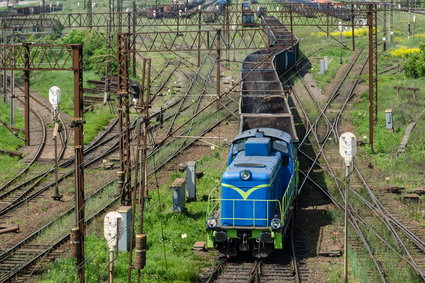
246, 194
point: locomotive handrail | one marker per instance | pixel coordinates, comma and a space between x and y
218, 201
289, 193
214, 204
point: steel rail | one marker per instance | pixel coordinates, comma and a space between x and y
412, 263
255, 274
294, 254
334, 95
330, 171
99, 142
355, 217
217, 270
37, 154
335, 92
321, 152
192, 82
5, 255
35, 181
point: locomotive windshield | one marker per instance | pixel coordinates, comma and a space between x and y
278, 145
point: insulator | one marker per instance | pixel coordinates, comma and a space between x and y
75, 242
140, 256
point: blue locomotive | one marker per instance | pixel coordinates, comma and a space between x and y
252, 208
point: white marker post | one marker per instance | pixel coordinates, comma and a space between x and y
55, 95
111, 231
347, 149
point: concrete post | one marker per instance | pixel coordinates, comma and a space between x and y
124, 235
178, 188
191, 180
326, 58
322, 67
389, 119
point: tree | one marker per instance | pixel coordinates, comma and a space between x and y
95, 55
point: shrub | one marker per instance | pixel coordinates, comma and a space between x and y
94, 50
404, 51
414, 66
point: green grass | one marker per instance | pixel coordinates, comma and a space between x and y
41, 82
386, 143
95, 121
164, 229
9, 166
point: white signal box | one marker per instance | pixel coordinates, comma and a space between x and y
55, 96
112, 229
347, 147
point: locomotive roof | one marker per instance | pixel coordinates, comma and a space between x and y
263, 168
268, 132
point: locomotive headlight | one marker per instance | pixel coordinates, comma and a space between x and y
245, 175
211, 223
276, 224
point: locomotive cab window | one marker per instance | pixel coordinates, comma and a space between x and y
280, 146
238, 146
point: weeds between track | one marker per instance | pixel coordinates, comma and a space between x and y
361, 205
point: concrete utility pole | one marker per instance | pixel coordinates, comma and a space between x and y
199, 36
384, 30
408, 25
218, 73
347, 150
390, 32
4, 33
27, 94
353, 38
12, 98
12, 95
55, 100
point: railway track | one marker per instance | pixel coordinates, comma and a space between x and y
287, 265
34, 247
321, 137
36, 155
357, 221
105, 143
